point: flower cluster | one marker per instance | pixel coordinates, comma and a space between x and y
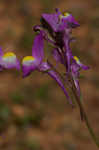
56, 29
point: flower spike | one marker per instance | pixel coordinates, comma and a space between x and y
56, 29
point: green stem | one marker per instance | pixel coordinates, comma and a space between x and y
84, 116
91, 130
82, 111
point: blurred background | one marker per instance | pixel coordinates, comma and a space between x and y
34, 114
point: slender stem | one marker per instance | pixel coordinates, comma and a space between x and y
82, 111
84, 116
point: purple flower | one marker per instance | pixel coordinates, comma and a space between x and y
58, 21
35, 62
76, 66
31, 63
8, 60
57, 56
56, 29
60, 27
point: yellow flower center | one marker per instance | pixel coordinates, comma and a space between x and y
66, 14
28, 58
76, 58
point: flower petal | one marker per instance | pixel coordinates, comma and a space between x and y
59, 21
1, 52
52, 20
45, 67
68, 52
9, 60
57, 56
76, 82
38, 48
68, 21
75, 71
82, 66
29, 64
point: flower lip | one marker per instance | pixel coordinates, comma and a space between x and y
64, 15
77, 59
9, 61
84, 67
28, 58
29, 61
9, 54
9, 58
68, 21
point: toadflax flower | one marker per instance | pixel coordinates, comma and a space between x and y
60, 26
58, 21
56, 29
35, 62
76, 66
8, 60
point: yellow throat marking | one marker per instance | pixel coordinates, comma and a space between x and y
77, 59
9, 54
28, 58
66, 14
